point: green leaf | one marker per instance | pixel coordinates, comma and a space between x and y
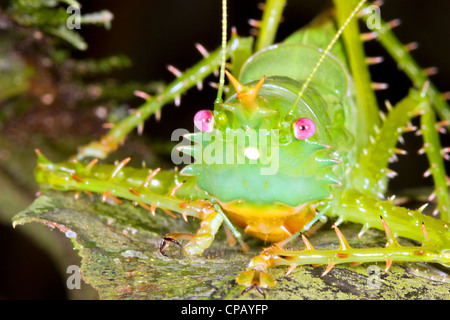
70, 36
119, 249
120, 258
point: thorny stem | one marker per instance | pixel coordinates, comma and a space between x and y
116, 136
401, 54
432, 147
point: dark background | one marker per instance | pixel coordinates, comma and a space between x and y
157, 33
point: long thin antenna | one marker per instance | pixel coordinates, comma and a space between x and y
325, 53
224, 54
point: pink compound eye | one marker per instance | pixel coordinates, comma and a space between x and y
304, 128
204, 120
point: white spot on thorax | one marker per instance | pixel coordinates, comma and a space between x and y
252, 153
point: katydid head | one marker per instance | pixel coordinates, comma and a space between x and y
263, 146
241, 140
264, 104
248, 110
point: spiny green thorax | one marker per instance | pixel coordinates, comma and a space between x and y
256, 155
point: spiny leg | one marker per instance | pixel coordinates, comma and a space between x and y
371, 172
360, 208
167, 193
401, 54
212, 218
257, 277
363, 205
211, 221
420, 78
435, 153
269, 24
121, 182
429, 251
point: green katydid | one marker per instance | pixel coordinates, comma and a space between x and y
312, 98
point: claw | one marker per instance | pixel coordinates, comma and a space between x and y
165, 243
261, 291
257, 280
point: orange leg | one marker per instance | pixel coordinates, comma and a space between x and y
211, 221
